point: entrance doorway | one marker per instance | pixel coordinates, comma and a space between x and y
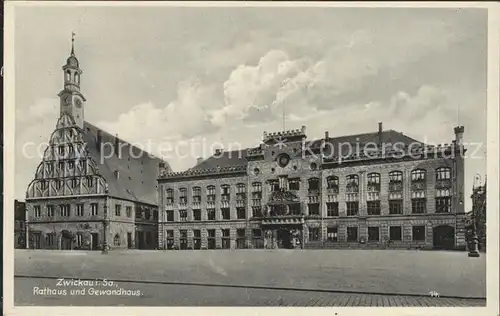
37, 240
129, 240
444, 237
284, 237
95, 241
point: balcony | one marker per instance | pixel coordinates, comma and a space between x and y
395, 186
443, 184
313, 192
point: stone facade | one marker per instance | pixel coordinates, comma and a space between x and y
285, 169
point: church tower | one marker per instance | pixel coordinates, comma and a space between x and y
72, 101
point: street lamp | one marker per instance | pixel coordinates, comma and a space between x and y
105, 224
473, 251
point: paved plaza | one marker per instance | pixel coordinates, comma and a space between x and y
256, 277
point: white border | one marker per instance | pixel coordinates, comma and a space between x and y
492, 172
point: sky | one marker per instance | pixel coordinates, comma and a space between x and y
223, 75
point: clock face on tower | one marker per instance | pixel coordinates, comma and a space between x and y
78, 103
67, 100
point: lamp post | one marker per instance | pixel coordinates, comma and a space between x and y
105, 224
474, 251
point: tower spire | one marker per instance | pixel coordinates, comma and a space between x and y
73, 43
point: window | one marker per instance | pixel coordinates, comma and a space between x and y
118, 209
226, 240
183, 196
225, 193
94, 207
37, 211
332, 184
170, 239
74, 182
294, 184
147, 214
170, 216
240, 238
241, 190
395, 233
78, 240
331, 233
418, 206
61, 150
418, 175
65, 210
51, 239
211, 238
257, 211
211, 214
313, 233
50, 167
373, 234
274, 185
90, 182
196, 195
129, 211
225, 213
59, 184
79, 210
211, 193
395, 206
256, 192
373, 207
373, 182
155, 214
332, 209
61, 165
71, 164
170, 196
352, 208
71, 150
313, 209
50, 210
81, 165
418, 233
44, 185
443, 204
183, 215
395, 181
443, 173
294, 209
183, 239
352, 183
197, 239
116, 240
257, 238
197, 214
352, 234
241, 213
313, 185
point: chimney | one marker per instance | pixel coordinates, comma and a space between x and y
99, 139
303, 130
380, 130
117, 174
327, 136
199, 160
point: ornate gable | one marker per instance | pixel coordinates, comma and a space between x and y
67, 168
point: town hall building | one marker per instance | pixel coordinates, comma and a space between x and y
291, 192
92, 190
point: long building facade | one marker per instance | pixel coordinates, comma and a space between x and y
92, 190
374, 190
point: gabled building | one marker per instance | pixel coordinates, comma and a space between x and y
92, 190
373, 190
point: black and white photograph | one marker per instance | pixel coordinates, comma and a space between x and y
250, 155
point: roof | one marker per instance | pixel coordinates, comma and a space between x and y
238, 158
137, 169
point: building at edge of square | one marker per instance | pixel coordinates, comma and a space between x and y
374, 190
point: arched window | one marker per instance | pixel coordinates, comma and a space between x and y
183, 196
196, 195
443, 173
68, 75
395, 177
170, 196
77, 79
418, 175
225, 192
241, 190
373, 182
116, 240
211, 193
396, 192
332, 183
352, 183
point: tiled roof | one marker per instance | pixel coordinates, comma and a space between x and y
238, 158
137, 170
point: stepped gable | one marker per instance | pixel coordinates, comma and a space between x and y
137, 169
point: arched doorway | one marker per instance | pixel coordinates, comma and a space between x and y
444, 237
